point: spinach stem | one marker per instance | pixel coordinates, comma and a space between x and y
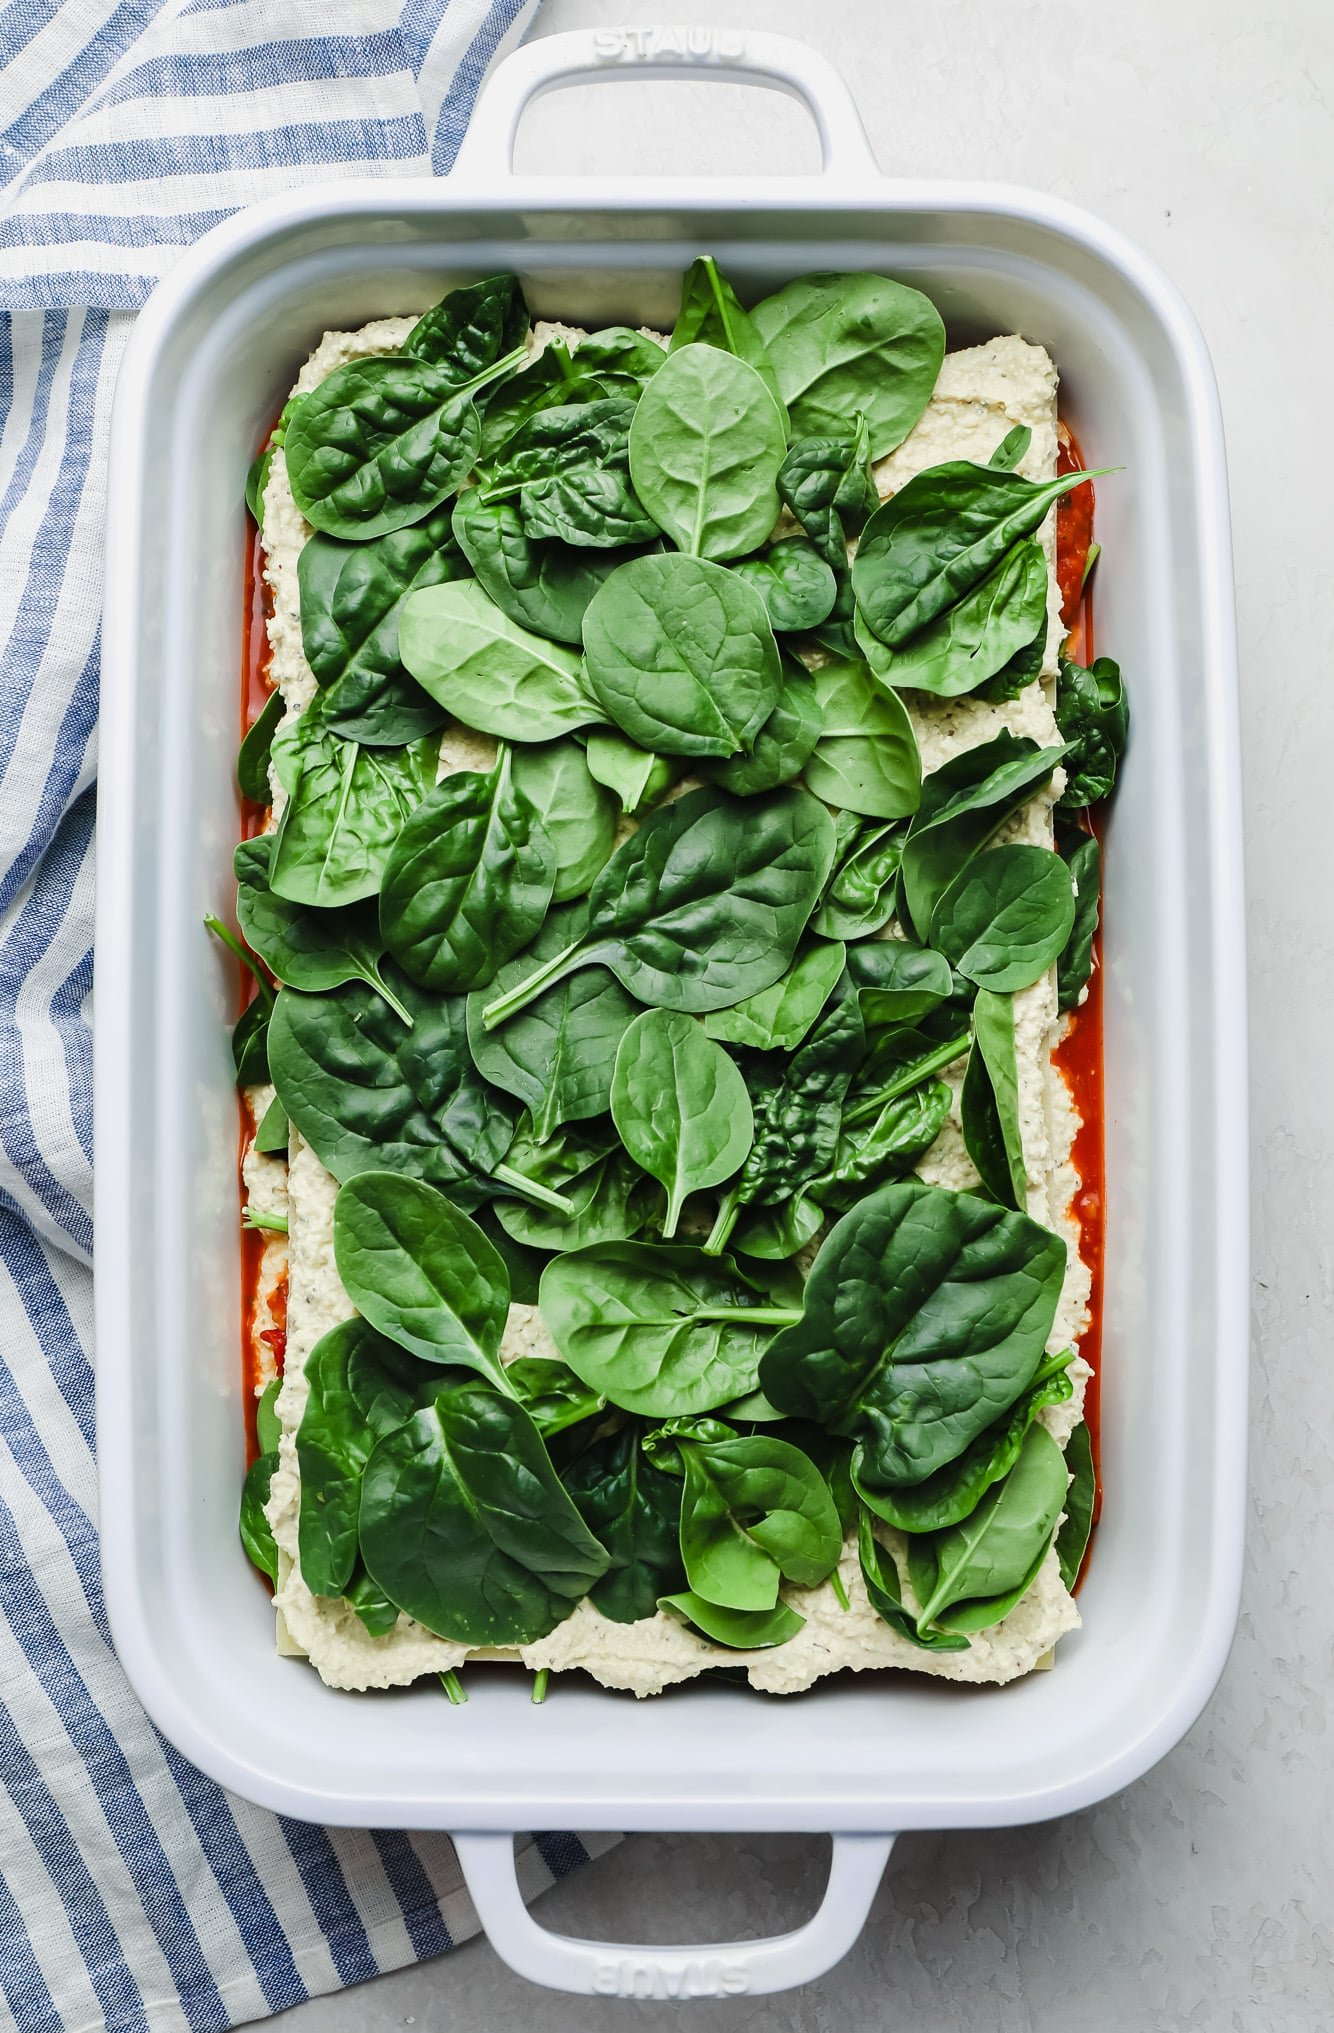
904, 1082
754, 1316
382, 988
514, 999
454, 1688
545, 1196
728, 1209
255, 1217
228, 938
492, 373
840, 1592
540, 1685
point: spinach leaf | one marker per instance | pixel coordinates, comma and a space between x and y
828, 484
702, 906
1011, 449
468, 880
866, 759
680, 1107
989, 1102
863, 889
795, 583
681, 657
421, 1273
607, 1199
898, 981
1073, 1537
943, 533
926, 1316
569, 470
633, 1509
953, 1492
576, 812
1093, 715
845, 346
268, 1426
783, 745
657, 1328
361, 1387
255, 1529
488, 671
1082, 856
557, 1055
615, 361
884, 1592
380, 444
778, 1018
309, 949
370, 1602
250, 1042
975, 638
551, 1393
890, 1144
900, 1057
541, 583
366, 1093
1005, 917
465, 1525
755, 1511
739, 1629
637, 777
472, 328
351, 599
252, 763
776, 1232
963, 803
345, 804
991, 1557
706, 444
710, 315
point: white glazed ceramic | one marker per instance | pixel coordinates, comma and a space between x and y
210, 361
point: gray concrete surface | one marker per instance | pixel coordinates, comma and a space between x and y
1201, 1898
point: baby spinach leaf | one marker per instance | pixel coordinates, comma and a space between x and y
943, 533
250, 1043
755, 1511
268, 1426
996, 1549
633, 1509
989, 1102
680, 1106
488, 671
700, 907
774, 1233
1094, 718
783, 745
706, 444
845, 346
868, 1154
681, 657
794, 582
863, 889
370, 1602
309, 949
615, 361
963, 803
361, 1387
541, 583
557, 1055
607, 1198
345, 804
569, 470
710, 315
351, 599
252, 764
866, 759
953, 1492
902, 1057
637, 777
468, 881
255, 1529
657, 1328
1005, 917
472, 328
897, 980
1011, 449
380, 444
884, 1592
576, 812
828, 484
741, 1630
926, 1316
551, 1393
975, 638
421, 1273
465, 1525
778, 1018
1073, 1537
366, 1093
1082, 856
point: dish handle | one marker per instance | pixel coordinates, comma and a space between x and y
604, 55
724, 1969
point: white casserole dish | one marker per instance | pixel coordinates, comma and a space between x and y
209, 363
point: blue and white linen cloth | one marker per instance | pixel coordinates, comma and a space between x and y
133, 1893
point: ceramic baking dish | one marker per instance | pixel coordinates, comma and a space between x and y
209, 363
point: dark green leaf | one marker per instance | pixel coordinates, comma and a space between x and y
551, 1394
866, 759
488, 671
794, 582
755, 1511
345, 805
989, 1102
739, 1629
307, 948
863, 889
361, 1387
1005, 917
897, 980
1073, 1537
637, 777
256, 1531
569, 470
351, 598
680, 1107
828, 484
991, 1556
975, 638
845, 346
706, 444
632, 1508
1094, 718
609, 1199
886, 1147
885, 1594
252, 764
471, 329
710, 315
1082, 856
784, 744
370, 1602
778, 1018
541, 583
268, 1426
963, 803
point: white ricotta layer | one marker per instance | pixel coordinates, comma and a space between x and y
981, 394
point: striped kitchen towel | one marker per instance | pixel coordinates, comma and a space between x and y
133, 1893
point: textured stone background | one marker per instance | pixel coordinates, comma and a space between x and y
1201, 1897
